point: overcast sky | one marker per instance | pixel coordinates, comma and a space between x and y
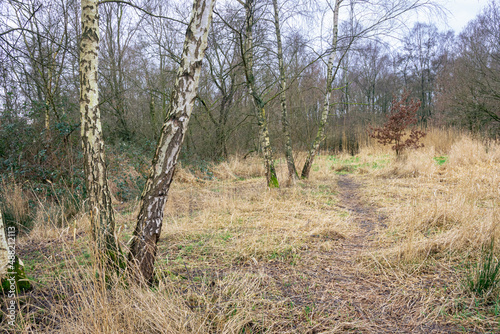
461, 12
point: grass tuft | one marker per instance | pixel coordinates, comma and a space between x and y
484, 276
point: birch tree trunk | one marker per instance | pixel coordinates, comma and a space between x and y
4, 250
326, 104
265, 143
99, 198
292, 171
149, 222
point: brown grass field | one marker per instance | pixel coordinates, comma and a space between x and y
369, 244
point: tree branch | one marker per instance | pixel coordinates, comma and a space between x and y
141, 9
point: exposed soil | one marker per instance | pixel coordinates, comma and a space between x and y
365, 216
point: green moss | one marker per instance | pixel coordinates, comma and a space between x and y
20, 280
273, 182
117, 259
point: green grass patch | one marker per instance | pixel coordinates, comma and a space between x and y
379, 164
441, 160
352, 164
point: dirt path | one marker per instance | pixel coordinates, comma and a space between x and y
366, 217
347, 294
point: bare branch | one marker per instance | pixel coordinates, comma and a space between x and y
141, 9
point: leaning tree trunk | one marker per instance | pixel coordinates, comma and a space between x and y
149, 222
99, 197
326, 105
265, 143
292, 171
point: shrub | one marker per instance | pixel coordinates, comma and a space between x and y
403, 113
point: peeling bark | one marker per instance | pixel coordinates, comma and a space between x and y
4, 250
12, 276
150, 219
99, 197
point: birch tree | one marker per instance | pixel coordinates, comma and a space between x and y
150, 219
329, 87
4, 250
292, 172
99, 197
247, 55
12, 276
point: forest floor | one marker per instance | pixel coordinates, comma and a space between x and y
369, 244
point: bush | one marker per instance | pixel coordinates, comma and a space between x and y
403, 113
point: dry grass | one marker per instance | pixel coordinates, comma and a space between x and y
14, 200
219, 304
439, 219
242, 221
236, 257
440, 209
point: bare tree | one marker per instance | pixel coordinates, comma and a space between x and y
423, 56
247, 52
120, 29
99, 197
164, 60
150, 219
329, 87
292, 171
46, 50
381, 15
220, 90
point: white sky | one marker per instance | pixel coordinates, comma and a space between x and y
461, 12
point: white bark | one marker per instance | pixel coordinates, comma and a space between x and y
4, 249
153, 199
326, 104
99, 196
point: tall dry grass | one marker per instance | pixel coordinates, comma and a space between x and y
448, 210
14, 202
214, 230
35, 215
218, 304
256, 222
77, 299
